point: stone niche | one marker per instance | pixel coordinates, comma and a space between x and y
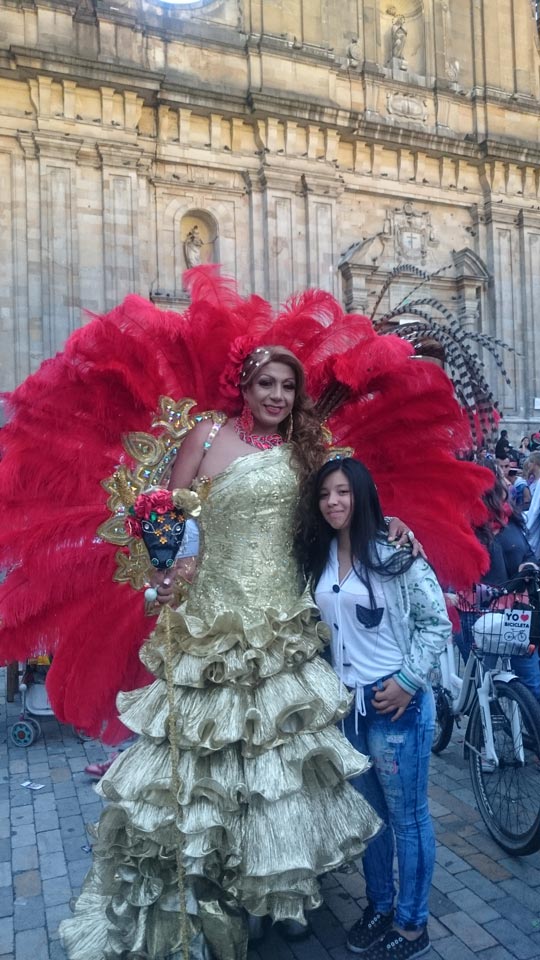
186, 240
403, 38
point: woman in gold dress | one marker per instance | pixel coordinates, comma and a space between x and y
236, 799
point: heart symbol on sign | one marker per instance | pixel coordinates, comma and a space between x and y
525, 617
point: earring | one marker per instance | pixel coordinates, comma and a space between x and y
290, 429
245, 420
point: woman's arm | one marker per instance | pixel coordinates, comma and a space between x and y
429, 624
185, 469
402, 536
190, 456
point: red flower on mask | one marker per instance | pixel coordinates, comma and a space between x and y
133, 527
157, 501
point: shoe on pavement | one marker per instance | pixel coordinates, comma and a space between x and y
96, 770
394, 946
369, 930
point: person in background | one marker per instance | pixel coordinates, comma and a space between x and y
502, 447
519, 493
505, 465
531, 469
523, 450
389, 624
505, 537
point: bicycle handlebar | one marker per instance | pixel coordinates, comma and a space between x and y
527, 580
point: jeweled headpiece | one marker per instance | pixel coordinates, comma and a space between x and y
252, 362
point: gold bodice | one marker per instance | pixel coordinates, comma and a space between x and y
247, 521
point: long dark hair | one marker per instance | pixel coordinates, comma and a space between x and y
367, 528
501, 510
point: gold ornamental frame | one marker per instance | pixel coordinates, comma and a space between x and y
153, 457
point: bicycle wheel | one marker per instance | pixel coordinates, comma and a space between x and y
444, 721
508, 796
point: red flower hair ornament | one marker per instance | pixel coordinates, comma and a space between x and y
229, 380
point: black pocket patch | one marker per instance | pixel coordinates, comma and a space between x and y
368, 617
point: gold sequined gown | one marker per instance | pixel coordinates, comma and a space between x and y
263, 805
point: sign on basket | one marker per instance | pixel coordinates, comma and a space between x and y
516, 627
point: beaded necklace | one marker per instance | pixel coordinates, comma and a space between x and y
264, 442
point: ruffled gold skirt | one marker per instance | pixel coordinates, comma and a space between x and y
262, 806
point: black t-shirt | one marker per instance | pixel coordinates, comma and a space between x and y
508, 551
502, 448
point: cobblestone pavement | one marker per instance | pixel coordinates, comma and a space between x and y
484, 904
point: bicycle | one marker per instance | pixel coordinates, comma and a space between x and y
502, 739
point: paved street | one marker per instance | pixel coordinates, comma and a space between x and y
485, 905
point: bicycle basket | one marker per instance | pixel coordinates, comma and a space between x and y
492, 634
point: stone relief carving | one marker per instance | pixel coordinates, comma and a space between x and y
413, 233
407, 106
85, 11
406, 234
354, 52
452, 70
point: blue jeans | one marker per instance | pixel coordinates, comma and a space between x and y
397, 788
528, 671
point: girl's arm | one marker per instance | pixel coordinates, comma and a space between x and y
429, 624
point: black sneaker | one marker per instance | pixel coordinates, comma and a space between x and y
369, 930
395, 947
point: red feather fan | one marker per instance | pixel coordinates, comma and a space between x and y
64, 436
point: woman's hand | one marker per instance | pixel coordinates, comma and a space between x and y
400, 534
165, 591
163, 584
391, 698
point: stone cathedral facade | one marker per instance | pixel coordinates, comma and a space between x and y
296, 142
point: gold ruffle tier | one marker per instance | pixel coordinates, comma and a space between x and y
263, 807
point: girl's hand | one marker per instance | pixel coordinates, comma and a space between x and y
402, 535
391, 698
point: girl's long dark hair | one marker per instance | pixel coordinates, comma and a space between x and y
314, 534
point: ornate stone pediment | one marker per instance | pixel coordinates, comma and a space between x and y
407, 106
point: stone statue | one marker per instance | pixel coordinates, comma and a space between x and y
192, 247
399, 37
